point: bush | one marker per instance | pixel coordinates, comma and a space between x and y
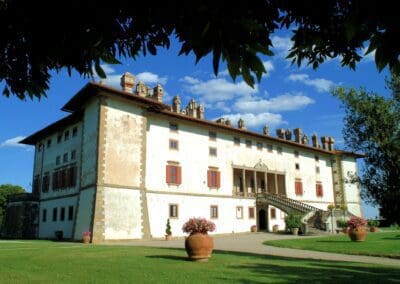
198, 225
356, 222
373, 223
293, 221
168, 228
341, 223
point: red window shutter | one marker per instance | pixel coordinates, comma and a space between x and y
301, 188
168, 176
209, 178
320, 191
178, 175
218, 179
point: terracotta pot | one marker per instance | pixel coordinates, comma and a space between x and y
199, 246
253, 228
275, 228
345, 231
373, 229
295, 231
86, 239
168, 237
358, 234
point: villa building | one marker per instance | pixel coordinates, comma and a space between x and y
123, 162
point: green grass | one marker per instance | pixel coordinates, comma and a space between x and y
52, 262
376, 244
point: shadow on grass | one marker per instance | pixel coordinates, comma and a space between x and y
394, 238
170, 257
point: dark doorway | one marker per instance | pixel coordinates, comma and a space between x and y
262, 220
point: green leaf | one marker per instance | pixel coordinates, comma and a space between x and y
216, 57
100, 70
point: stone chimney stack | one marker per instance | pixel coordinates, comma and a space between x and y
141, 89
200, 112
241, 124
298, 133
158, 93
266, 130
176, 104
280, 132
288, 134
331, 144
220, 120
325, 142
228, 122
304, 140
191, 109
127, 82
314, 139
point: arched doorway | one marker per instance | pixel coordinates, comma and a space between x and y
262, 220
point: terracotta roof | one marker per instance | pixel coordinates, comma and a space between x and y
68, 120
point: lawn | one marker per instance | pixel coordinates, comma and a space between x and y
52, 262
376, 244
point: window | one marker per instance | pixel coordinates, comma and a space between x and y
71, 176
239, 212
73, 155
296, 154
39, 147
58, 160
173, 144
212, 135
174, 174
248, 143
214, 211
236, 141
173, 210
213, 151
317, 170
316, 158
251, 213
70, 213
297, 166
273, 213
319, 189
173, 127
213, 178
279, 150
44, 215
36, 185
259, 145
65, 158
59, 138
49, 143
74, 132
54, 214
298, 187
270, 148
62, 214
45, 182
66, 135
55, 180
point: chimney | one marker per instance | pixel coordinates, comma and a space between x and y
176, 104
220, 120
298, 133
200, 112
331, 144
325, 142
266, 130
280, 132
288, 134
191, 108
241, 124
158, 93
141, 89
228, 122
314, 139
304, 140
127, 82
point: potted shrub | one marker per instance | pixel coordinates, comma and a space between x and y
293, 222
59, 234
373, 225
357, 232
343, 225
86, 237
253, 228
199, 244
168, 233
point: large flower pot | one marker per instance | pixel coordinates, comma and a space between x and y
168, 237
86, 239
295, 231
358, 234
346, 231
373, 229
199, 246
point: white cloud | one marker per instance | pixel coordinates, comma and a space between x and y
255, 120
218, 89
281, 45
107, 69
269, 67
13, 142
320, 84
151, 78
370, 57
285, 102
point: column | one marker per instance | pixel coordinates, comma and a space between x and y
265, 182
255, 182
276, 183
244, 182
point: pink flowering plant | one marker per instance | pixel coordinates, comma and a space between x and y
356, 222
87, 233
198, 225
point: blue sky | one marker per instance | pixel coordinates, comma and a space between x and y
287, 97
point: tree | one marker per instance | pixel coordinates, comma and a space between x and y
5, 191
40, 37
372, 126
